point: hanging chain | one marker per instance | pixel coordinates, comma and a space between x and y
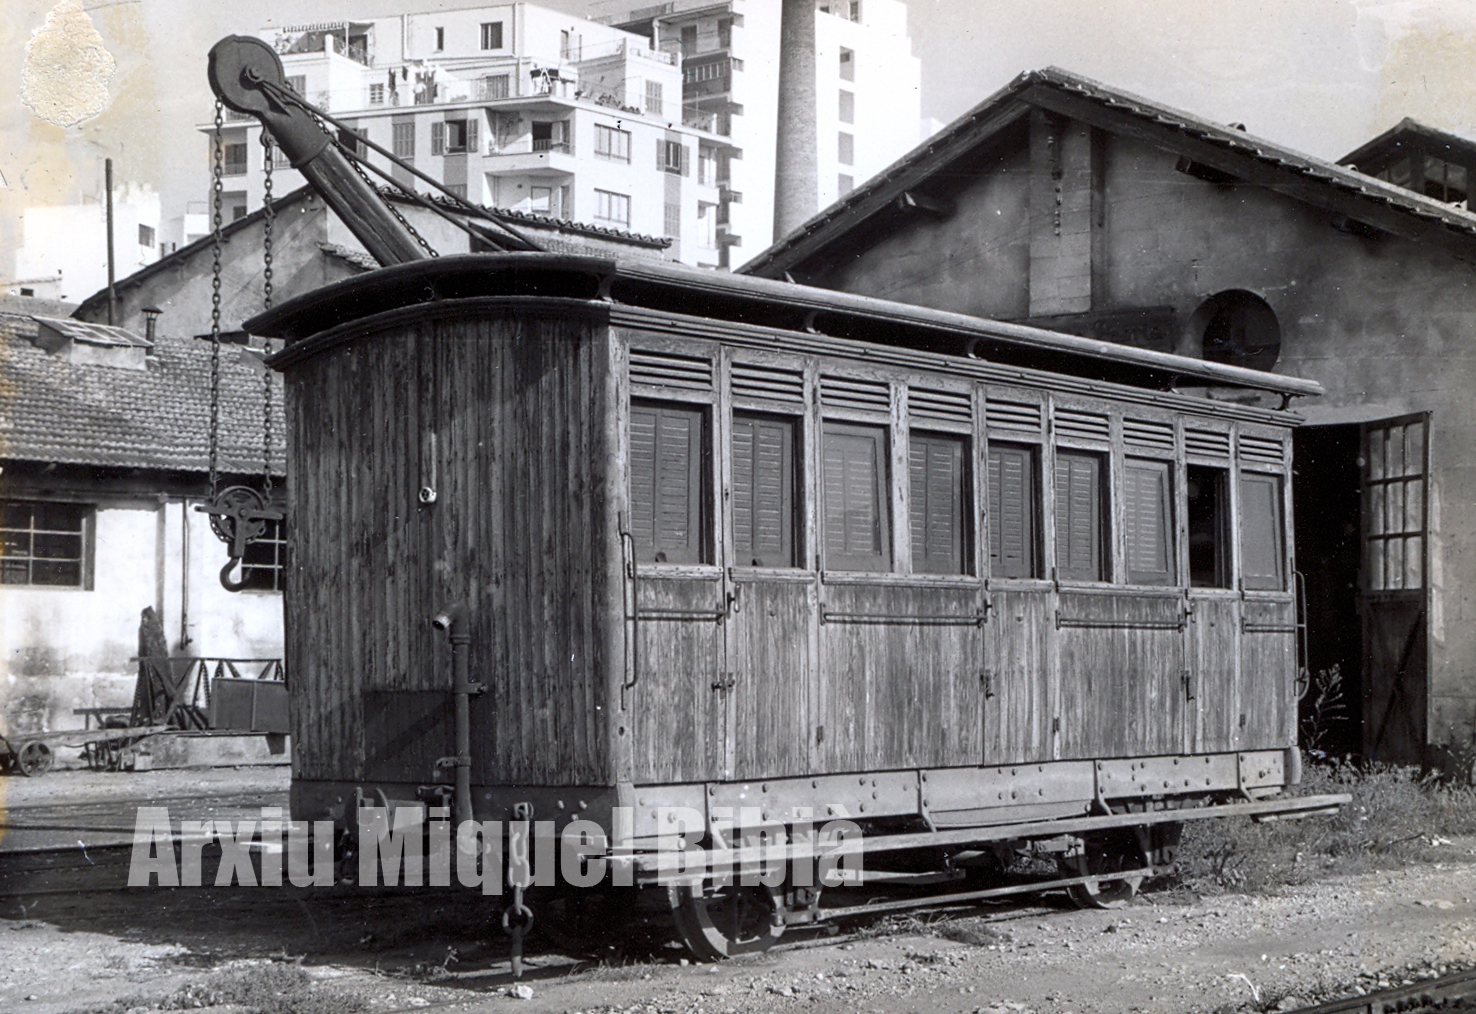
269, 219
353, 160
217, 198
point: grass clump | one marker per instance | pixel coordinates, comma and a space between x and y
1395, 816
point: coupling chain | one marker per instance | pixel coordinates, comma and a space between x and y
269, 219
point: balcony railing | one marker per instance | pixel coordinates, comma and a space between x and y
231, 168
548, 144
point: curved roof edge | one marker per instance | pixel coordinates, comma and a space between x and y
740, 298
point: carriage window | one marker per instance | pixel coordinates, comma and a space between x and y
763, 491
1262, 552
855, 484
1079, 519
666, 483
937, 467
1209, 539
1146, 517
1014, 503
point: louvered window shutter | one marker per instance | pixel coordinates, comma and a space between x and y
471, 134
937, 506
1079, 517
666, 484
438, 138
856, 517
1146, 517
686, 161
1012, 509
1262, 556
660, 154
763, 492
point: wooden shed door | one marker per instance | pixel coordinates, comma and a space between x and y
1396, 462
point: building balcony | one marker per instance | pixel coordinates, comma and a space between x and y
555, 159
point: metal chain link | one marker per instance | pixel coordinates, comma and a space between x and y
269, 219
354, 161
217, 189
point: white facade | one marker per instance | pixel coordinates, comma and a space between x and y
731, 54
70, 647
512, 106
63, 253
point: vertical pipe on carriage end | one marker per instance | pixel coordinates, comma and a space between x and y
453, 622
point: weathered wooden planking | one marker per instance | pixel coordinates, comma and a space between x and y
1018, 710
676, 711
1121, 661
504, 418
1214, 666
769, 647
1268, 672
901, 680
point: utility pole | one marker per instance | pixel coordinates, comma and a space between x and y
112, 293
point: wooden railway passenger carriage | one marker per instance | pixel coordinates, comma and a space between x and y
725, 542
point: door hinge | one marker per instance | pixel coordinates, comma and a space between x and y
1187, 678
1056, 724
987, 679
724, 683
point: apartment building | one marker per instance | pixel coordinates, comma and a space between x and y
512, 106
812, 97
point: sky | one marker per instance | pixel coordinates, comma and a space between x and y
1319, 76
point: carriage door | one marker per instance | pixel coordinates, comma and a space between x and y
1393, 605
678, 619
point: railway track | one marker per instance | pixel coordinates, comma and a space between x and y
1455, 992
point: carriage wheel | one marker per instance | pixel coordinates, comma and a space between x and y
1101, 856
720, 922
34, 759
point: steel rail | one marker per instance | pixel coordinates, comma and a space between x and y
1431, 993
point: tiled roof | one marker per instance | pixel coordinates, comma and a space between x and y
54, 410
971, 129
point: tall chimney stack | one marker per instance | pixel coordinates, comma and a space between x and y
796, 153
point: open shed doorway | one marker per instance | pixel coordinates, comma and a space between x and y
1327, 499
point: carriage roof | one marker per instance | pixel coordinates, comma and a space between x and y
747, 300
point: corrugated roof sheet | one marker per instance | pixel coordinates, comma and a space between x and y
92, 334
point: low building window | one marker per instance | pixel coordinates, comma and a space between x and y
46, 544
265, 564
654, 104
146, 236
376, 94
492, 35
404, 140
235, 159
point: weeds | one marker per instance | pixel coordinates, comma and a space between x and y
1395, 816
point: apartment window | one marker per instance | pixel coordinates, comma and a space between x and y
725, 33
1147, 521
1209, 528
541, 200
551, 135
453, 137
671, 156
846, 149
376, 94
856, 10
847, 64
264, 566
492, 35
856, 517
45, 544
847, 106
1262, 538
235, 159
146, 236
1080, 540
844, 184
236, 206
297, 83
667, 483
706, 167
457, 190
612, 207
353, 139
496, 86
403, 139
566, 45
653, 98
440, 39
938, 517
1014, 504
707, 224
277, 157
764, 505
612, 143
672, 220
689, 40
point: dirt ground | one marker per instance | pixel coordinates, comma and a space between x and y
304, 952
